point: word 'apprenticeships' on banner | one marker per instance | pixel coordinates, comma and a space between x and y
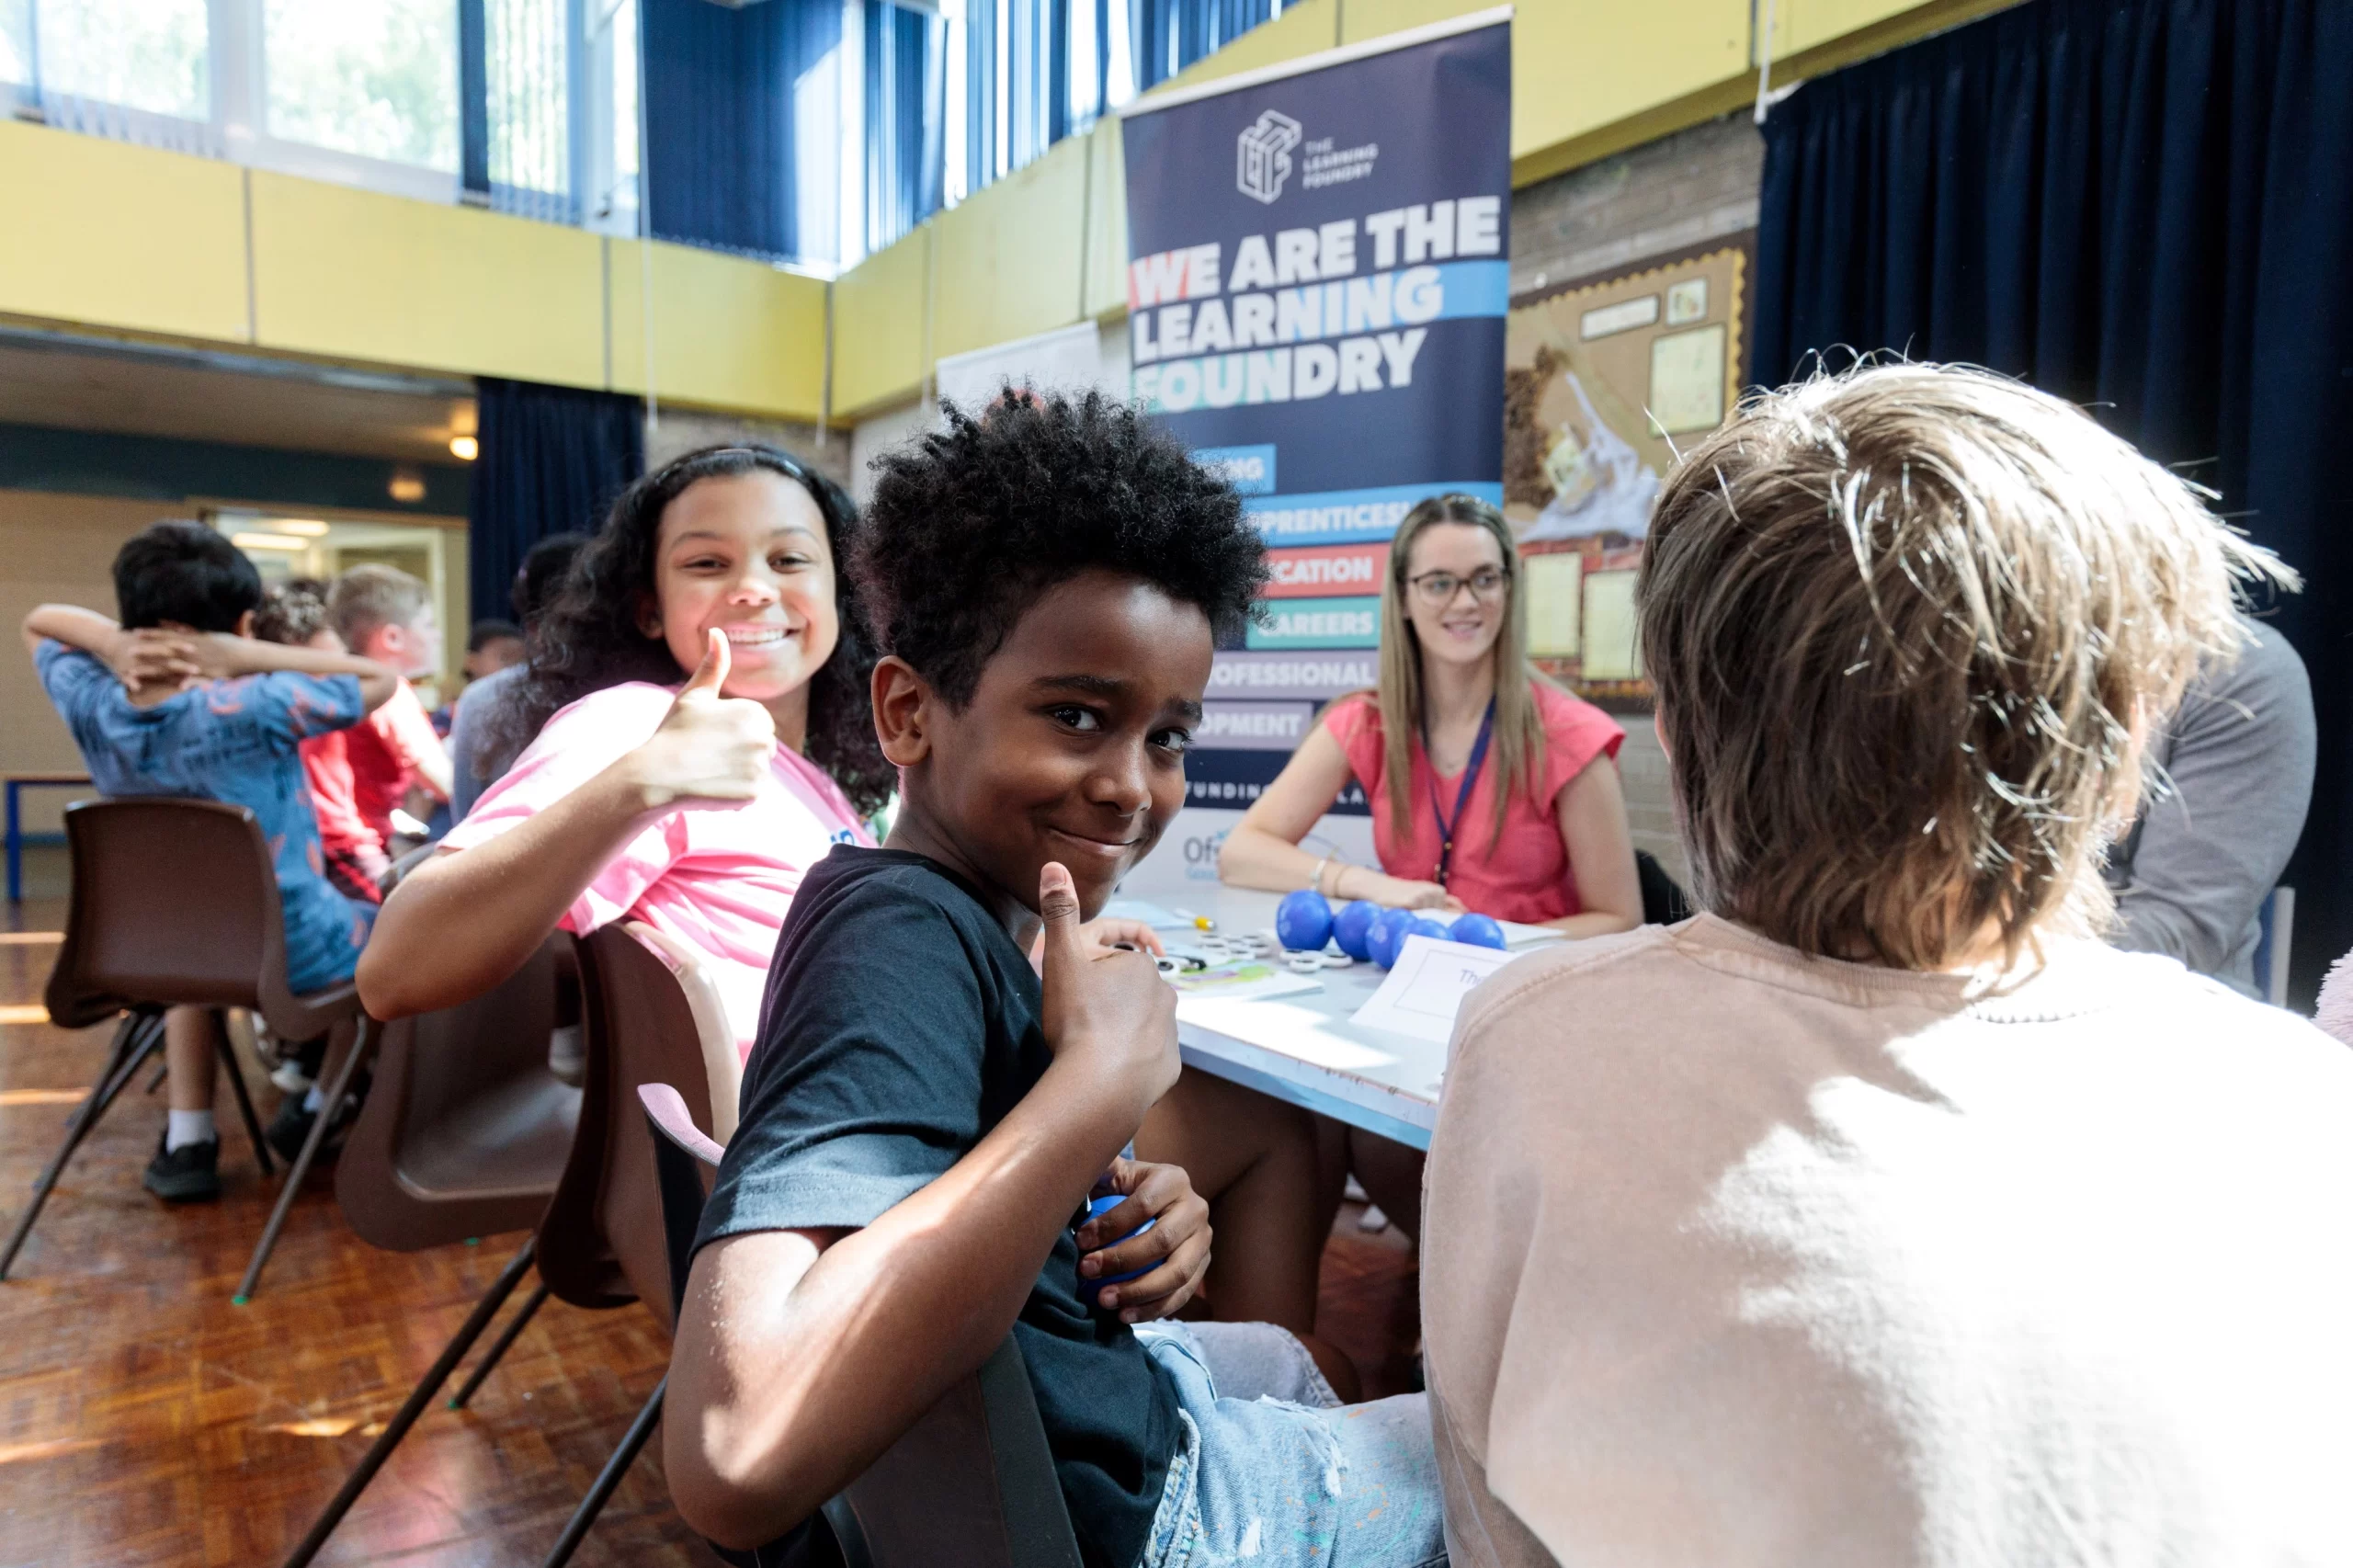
1317, 287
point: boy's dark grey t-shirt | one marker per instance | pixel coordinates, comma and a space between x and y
900, 1023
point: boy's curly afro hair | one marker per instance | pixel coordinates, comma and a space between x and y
970, 526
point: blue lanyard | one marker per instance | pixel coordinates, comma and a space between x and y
1462, 797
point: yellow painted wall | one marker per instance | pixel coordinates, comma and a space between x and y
102, 230
1010, 266
351, 274
879, 315
114, 237
1799, 25
1107, 222
1363, 19
727, 333
1580, 66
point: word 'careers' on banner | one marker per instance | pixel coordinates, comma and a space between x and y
1317, 284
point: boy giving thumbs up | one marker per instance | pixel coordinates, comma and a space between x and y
925, 1111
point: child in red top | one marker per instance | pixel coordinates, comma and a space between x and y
385, 609
295, 613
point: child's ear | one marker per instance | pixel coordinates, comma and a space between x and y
902, 702
649, 617
245, 625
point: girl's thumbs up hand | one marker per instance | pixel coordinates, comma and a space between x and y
711, 750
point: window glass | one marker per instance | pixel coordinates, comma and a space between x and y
143, 54
15, 40
529, 118
624, 25
374, 77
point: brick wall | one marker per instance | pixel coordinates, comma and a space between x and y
1663, 196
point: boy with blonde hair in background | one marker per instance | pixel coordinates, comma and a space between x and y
382, 613
1882, 1214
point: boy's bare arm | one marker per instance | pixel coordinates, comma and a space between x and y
157, 653
74, 627
803, 1355
223, 654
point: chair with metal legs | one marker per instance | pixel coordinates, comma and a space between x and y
465, 1134
174, 902
651, 1014
593, 1247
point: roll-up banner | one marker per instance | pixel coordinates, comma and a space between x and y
1316, 290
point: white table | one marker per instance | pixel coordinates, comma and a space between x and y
1303, 1049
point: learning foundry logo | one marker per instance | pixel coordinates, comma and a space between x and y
1262, 161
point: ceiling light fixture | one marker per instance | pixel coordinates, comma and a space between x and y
408, 485
268, 541
465, 448
309, 528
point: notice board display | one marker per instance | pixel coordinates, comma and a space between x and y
1603, 380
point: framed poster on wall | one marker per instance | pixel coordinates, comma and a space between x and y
1602, 380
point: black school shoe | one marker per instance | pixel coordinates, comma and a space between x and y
190, 1174
291, 1126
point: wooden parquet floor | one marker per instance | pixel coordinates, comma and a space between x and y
145, 1420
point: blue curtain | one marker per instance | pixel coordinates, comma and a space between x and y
719, 155
906, 108
552, 459
2145, 206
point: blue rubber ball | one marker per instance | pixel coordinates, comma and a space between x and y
1388, 934
1304, 921
1352, 928
1480, 931
1423, 925
1098, 1207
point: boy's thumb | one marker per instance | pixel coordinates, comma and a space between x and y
711, 673
1058, 906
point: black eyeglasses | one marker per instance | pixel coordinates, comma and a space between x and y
1437, 589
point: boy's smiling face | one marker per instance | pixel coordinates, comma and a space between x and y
1071, 750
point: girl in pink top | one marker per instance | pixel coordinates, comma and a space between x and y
1492, 789
695, 807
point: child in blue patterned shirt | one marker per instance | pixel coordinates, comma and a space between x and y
178, 699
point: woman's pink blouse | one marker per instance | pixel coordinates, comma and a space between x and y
1524, 872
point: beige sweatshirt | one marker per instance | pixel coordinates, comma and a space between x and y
1735, 1257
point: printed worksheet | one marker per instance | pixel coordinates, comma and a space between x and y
1426, 986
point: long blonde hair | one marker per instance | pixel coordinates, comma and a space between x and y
1518, 748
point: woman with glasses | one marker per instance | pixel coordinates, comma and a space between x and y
1492, 789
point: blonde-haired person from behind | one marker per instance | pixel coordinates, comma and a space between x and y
1882, 1214
1491, 788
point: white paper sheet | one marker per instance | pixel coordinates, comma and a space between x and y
1426, 986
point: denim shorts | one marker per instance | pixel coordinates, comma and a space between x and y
1275, 1471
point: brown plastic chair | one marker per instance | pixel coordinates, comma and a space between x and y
651, 1014
174, 902
648, 1007
970, 1484
466, 1133
466, 1130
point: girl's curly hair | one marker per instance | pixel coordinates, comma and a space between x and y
588, 637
